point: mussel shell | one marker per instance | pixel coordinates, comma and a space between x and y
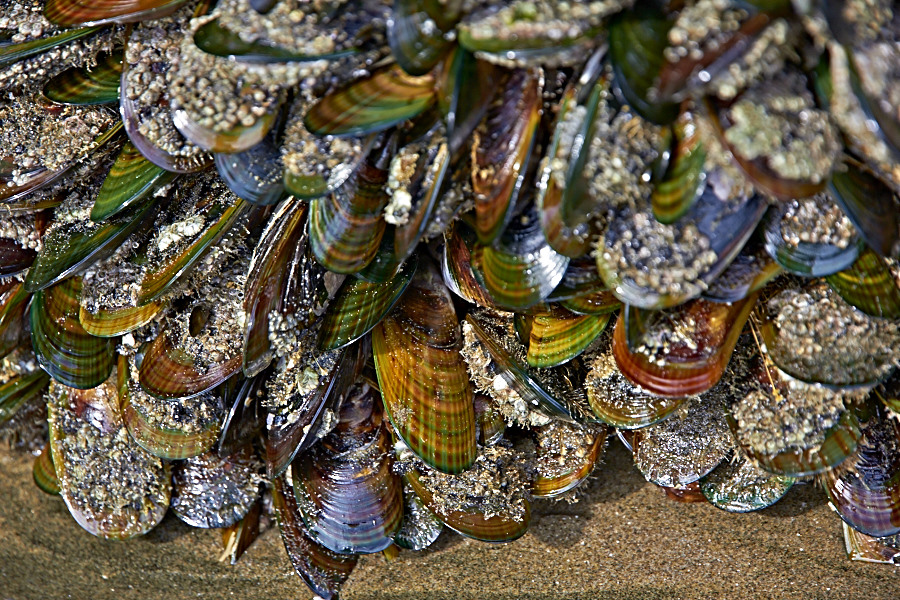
322, 570
19, 390
566, 456
116, 322
296, 429
279, 261
257, 173
360, 305
419, 527
616, 400
521, 269
131, 179
417, 32
348, 497
209, 491
71, 247
691, 366
805, 258
803, 452
501, 152
869, 285
63, 348
13, 53
238, 537
865, 489
871, 549
870, 204
739, 486
385, 98
682, 449
112, 487
814, 335
557, 336
13, 303
422, 375
475, 524
346, 227
637, 39
184, 428
681, 178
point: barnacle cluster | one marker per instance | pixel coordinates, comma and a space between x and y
406, 265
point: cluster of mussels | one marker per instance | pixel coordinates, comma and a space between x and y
384, 267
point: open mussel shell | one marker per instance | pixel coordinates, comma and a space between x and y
557, 336
44, 473
869, 285
171, 429
238, 537
295, 429
387, 97
323, 570
865, 488
417, 33
510, 510
70, 247
209, 491
245, 419
501, 152
346, 227
85, 86
360, 305
706, 240
489, 422
131, 179
63, 348
100, 12
422, 375
814, 335
686, 446
19, 390
521, 269
739, 486
870, 204
347, 494
802, 257
616, 400
112, 487
565, 456
689, 366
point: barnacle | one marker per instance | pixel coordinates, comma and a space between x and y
406, 264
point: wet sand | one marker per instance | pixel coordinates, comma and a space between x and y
623, 540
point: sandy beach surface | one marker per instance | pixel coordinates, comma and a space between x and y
623, 540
